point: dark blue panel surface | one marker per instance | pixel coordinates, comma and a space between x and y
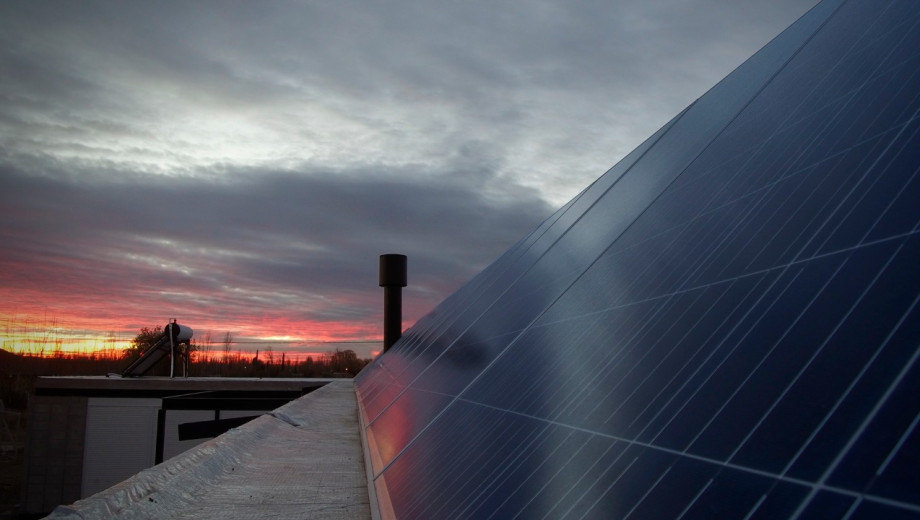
724, 325
729, 494
871, 510
827, 504
781, 501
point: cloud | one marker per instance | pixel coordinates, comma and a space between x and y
298, 245
561, 89
250, 161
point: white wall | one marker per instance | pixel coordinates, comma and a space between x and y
121, 438
121, 435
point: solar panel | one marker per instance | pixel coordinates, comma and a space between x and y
724, 325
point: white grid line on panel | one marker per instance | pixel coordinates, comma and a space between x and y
820, 348
505, 471
763, 359
493, 436
648, 351
853, 189
820, 484
546, 458
813, 485
910, 142
897, 447
588, 488
576, 484
789, 120
850, 388
757, 505
549, 480
695, 498
783, 268
852, 508
647, 493
731, 351
610, 486
496, 468
699, 348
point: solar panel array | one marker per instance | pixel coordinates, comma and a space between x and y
724, 325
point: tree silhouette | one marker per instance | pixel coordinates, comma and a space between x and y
145, 340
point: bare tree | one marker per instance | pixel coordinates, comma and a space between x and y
269, 355
228, 341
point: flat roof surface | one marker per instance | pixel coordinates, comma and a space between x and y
303, 460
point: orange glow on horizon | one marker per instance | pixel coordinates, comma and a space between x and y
70, 316
297, 340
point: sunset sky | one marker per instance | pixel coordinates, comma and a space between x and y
240, 166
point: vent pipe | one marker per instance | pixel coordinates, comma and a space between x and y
393, 278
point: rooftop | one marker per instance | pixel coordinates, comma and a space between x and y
303, 460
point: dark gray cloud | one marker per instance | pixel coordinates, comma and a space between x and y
299, 245
245, 159
562, 86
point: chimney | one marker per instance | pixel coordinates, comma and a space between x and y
392, 278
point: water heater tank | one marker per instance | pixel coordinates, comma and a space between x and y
180, 332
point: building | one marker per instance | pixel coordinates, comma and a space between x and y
89, 433
724, 325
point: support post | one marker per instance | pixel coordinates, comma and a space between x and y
393, 277
172, 330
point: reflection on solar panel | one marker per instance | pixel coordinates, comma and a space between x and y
724, 325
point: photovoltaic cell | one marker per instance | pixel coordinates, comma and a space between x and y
724, 325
